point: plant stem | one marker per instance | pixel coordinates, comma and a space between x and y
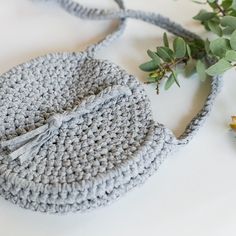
220, 9
168, 66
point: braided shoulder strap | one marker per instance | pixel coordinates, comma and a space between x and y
163, 22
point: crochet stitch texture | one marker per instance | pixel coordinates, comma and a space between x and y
77, 132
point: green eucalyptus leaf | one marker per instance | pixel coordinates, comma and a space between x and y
219, 46
207, 46
154, 56
189, 52
201, 70
198, 2
211, 1
149, 66
179, 46
165, 54
230, 55
233, 5
233, 40
214, 27
165, 40
190, 68
175, 76
226, 4
205, 23
233, 13
204, 15
228, 21
228, 30
169, 51
170, 81
219, 68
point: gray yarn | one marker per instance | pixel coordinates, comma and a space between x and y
78, 132
25, 146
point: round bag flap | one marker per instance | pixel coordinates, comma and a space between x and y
66, 122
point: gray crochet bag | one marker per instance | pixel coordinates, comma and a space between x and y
76, 132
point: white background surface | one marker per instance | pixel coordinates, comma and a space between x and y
194, 192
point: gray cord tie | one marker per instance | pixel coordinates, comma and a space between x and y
25, 146
56, 120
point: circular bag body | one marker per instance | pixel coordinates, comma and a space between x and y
90, 160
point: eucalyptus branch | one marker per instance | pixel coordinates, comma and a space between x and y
165, 61
221, 10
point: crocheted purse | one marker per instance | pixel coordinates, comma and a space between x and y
76, 132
